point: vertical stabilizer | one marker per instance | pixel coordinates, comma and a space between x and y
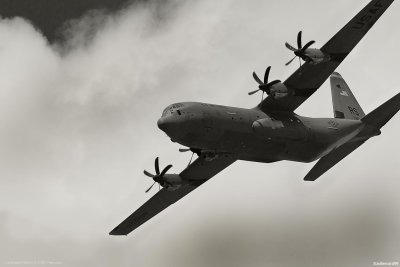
373, 121
345, 105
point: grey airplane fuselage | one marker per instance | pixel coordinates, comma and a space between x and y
252, 135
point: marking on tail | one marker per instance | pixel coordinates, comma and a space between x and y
345, 105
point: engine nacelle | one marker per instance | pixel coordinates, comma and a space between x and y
278, 91
316, 56
172, 182
270, 128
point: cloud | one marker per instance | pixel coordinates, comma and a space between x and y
78, 126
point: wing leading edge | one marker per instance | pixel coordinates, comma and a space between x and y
309, 77
197, 173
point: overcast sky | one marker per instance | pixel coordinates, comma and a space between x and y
78, 126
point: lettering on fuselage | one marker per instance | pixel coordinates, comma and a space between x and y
361, 22
333, 124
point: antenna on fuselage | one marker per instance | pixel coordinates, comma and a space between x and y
187, 150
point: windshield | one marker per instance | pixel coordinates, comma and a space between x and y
171, 109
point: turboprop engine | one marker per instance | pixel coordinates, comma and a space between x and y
169, 181
275, 88
311, 55
278, 90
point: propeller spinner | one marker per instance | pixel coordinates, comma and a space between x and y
159, 176
301, 50
265, 86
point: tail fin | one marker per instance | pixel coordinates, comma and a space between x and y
382, 114
374, 121
345, 105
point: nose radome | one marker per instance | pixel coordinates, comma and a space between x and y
161, 123
173, 126
165, 123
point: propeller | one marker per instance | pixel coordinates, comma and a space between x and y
300, 51
265, 86
158, 177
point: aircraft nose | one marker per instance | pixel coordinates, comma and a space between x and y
172, 126
164, 123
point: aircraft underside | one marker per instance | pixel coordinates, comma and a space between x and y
250, 134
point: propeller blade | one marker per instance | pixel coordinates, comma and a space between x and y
165, 170
184, 149
148, 174
150, 188
290, 47
272, 83
267, 87
256, 78
299, 40
156, 166
266, 74
290, 61
307, 45
253, 92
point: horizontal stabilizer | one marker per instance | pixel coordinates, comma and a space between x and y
329, 160
382, 114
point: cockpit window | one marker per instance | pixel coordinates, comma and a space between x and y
171, 109
165, 112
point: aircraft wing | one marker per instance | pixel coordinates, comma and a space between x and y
309, 77
197, 173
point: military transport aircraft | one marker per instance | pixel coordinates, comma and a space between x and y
271, 131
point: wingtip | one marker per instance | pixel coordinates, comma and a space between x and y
112, 233
115, 232
310, 178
